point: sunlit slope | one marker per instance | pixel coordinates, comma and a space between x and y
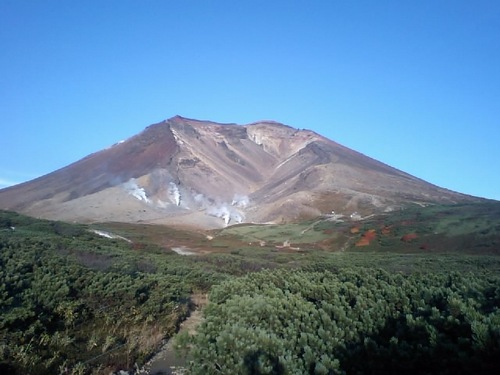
209, 175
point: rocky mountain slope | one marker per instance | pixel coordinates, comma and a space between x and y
208, 175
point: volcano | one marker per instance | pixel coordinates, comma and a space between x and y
208, 175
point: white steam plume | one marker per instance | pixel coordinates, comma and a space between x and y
174, 193
229, 213
241, 201
202, 201
226, 213
133, 189
220, 211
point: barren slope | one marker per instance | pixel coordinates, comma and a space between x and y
205, 174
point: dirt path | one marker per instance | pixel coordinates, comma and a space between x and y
166, 361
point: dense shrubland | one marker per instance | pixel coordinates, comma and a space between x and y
70, 299
73, 302
350, 321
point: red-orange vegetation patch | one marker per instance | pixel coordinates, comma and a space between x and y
354, 230
367, 237
370, 234
362, 242
409, 237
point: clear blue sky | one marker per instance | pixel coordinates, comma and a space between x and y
414, 84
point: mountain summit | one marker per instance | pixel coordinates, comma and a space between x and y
206, 174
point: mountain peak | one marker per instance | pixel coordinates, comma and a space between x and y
208, 174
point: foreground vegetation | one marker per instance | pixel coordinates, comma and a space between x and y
71, 300
74, 302
364, 321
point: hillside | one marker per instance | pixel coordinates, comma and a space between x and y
208, 175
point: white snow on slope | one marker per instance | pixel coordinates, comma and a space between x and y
105, 234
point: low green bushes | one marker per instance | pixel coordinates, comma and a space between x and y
352, 321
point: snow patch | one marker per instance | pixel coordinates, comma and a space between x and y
109, 235
183, 250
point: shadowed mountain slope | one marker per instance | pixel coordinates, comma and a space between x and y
206, 174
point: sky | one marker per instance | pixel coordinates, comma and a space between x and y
414, 84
